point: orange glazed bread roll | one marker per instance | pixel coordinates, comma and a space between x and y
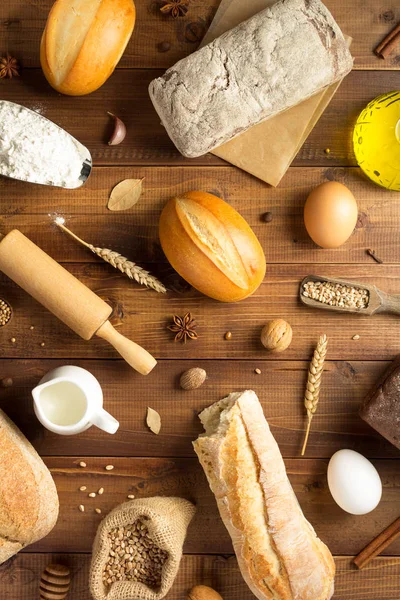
83, 41
211, 246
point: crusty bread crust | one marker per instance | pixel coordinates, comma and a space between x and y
274, 60
79, 54
28, 495
278, 551
211, 246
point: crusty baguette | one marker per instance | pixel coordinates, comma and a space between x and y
274, 60
278, 551
28, 495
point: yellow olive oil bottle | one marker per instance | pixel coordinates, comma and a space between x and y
376, 140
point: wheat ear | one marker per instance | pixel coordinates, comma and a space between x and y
129, 268
313, 387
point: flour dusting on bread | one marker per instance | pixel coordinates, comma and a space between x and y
278, 551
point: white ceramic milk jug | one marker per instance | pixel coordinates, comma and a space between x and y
68, 400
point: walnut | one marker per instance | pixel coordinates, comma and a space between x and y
202, 592
276, 335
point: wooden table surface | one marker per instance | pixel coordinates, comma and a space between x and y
146, 464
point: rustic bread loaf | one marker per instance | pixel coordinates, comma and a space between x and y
276, 59
278, 551
28, 496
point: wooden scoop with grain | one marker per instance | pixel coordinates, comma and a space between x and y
361, 298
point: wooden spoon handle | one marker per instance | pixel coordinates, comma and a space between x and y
391, 304
135, 355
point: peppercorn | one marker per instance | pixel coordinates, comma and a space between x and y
267, 217
163, 46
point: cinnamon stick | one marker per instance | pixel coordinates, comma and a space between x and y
389, 43
378, 545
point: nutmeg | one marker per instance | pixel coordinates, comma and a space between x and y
202, 592
276, 335
193, 378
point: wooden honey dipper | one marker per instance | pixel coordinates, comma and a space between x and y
54, 582
66, 297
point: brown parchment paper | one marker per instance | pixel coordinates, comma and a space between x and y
267, 150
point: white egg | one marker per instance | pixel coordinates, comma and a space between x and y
354, 482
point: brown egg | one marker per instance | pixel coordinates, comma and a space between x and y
330, 214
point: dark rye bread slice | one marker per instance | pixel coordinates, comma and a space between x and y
278, 58
381, 408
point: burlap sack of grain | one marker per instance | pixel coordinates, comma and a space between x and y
168, 520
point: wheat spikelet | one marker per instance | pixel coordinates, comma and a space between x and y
129, 268
313, 387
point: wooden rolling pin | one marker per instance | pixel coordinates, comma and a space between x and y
66, 297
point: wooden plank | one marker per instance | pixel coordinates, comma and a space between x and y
19, 577
343, 533
144, 315
170, 467
147, 143
134, 233
280, 388
22, 23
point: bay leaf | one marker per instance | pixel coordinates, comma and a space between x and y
153, 420
125, 194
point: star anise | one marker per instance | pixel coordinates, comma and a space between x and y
9, 67
176, 8
184, 327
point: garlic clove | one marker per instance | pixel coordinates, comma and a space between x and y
119, 133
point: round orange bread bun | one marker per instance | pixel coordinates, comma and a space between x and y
211, 246
83, 41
